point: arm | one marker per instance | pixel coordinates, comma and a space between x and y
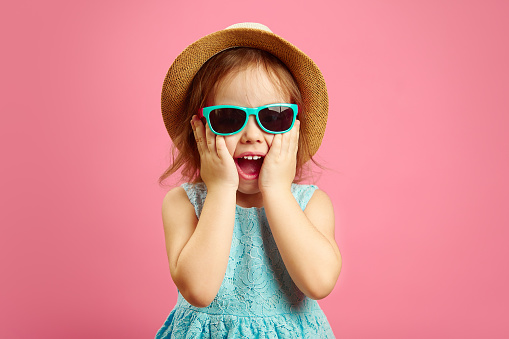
305, 239
198, 250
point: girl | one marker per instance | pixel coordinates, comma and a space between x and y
249, 250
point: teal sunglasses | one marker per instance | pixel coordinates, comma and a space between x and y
228, 120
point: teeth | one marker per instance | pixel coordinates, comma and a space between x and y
252, 157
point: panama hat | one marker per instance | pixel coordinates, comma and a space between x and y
306, 73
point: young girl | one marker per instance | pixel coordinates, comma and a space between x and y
249, 250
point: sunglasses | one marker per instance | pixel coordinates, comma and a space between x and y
227, 120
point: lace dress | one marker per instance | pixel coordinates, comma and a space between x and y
257, 298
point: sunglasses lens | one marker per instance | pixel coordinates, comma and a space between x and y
227, 120
277, 118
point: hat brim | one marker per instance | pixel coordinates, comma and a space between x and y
307, 75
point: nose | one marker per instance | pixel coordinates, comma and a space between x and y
252, 133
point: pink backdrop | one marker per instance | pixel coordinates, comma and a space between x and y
416, 144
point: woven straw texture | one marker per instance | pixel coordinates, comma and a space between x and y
309, 78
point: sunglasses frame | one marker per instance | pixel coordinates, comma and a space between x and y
205, 111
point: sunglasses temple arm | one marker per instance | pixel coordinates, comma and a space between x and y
200, 113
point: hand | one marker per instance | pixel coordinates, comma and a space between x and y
280, 163
217, 167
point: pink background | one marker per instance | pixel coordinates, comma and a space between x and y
416, 144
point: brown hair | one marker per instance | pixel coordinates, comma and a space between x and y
184, 151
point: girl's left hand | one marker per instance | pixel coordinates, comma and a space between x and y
280, 164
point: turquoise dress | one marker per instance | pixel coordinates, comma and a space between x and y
257, 298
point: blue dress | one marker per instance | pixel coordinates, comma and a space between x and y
257, 298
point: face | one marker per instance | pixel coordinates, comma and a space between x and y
251, 87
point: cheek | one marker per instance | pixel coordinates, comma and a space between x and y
231, 143
268, 139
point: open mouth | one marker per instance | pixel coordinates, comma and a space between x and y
249, 166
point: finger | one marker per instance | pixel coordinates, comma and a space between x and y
295, 137
195, 123
275, 148
210, 139
222, 150
286, 142
291, 139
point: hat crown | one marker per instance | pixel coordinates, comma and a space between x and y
307, 75
252, 25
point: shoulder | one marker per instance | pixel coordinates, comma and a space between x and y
320, 198
192, 193
320, 210
175, 196
175, 203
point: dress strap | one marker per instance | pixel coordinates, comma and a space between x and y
303, 194
196, 194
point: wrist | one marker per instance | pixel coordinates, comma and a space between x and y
222, 190
219, 184
275, 192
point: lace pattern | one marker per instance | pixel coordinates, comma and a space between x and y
257, 298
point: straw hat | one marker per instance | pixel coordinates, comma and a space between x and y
307, 75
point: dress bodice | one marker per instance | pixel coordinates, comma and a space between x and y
257, 294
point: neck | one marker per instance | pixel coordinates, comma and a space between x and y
249, 200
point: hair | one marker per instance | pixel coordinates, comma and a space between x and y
184, 152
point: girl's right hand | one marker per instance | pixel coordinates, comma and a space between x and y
217, 167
